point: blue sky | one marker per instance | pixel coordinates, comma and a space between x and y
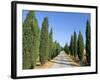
63, 24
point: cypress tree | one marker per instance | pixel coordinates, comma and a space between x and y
27, 41
50, 44
75, 44
53, 50
30, 45
56, 49
72, 46
80, 46
88, 42
66, 48
44, 42
36, 41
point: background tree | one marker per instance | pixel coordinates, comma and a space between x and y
80, 46
66, 48
56, 49
44, 42
30, 41
88, 42
75, 44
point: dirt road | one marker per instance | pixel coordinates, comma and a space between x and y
63, 60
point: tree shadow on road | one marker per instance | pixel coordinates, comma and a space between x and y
64, 62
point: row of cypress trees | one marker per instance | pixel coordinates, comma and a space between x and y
77, 49
37, 43
48, 49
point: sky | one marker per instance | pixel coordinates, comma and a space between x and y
63, 24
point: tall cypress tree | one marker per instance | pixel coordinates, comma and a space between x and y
36, 41
72, 46
80, 46
54, 47
50, 44
30, 41
44, 41
88, 42
75, 44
